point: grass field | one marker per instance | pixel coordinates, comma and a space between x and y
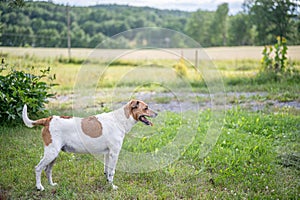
254, 158
256, 155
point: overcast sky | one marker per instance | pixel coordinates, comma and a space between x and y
185, 5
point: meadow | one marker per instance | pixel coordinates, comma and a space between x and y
254, 154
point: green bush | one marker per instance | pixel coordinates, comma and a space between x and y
19, 88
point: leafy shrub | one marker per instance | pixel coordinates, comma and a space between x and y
19, 88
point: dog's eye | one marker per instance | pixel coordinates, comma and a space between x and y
146, 108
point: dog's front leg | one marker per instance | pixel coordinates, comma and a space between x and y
111, 166
106, 160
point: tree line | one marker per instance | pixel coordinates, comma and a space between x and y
44, 24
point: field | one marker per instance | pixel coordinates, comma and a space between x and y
223, 131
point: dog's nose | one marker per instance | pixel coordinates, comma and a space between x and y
154, 114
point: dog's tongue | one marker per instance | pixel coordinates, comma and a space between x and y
146, 121
151, 124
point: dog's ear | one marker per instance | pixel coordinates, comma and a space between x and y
134, 104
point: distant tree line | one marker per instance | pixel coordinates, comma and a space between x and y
44, 24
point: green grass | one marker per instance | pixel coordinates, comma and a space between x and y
237, 75
159, 76
249, 161
256, 155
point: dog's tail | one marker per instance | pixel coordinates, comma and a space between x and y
28, 122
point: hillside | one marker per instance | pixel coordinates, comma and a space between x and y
44, 24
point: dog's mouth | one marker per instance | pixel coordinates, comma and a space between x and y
143, 119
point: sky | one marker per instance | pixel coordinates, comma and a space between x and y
185, 5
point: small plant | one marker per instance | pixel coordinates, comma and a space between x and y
278, 63
181, 68
19, 88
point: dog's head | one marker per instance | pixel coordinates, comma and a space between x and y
139, 110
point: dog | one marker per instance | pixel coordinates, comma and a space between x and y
102, 134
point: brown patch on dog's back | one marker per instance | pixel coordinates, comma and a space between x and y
65, 117
91, 127
45, 132
43, 122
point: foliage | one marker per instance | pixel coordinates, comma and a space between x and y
198, 27
181, 68
19, 88
43, 24
278, 63
15, 3
272, 18
219, 25
239, 32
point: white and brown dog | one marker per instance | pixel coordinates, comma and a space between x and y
99, 134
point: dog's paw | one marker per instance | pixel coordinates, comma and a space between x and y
114, 187
53, 184
40, 188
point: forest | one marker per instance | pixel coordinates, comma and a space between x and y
45, 24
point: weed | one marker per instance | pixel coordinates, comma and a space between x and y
279, 62
181, 68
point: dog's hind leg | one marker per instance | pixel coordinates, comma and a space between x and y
49, 155
48, 171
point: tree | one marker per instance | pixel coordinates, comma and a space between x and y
271, 17
239, 32
1, 28
11, 4
48, 38
15, 3
96, 40
198, 27
294, 34
219, 25
78, 36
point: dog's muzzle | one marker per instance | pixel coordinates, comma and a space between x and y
143, 118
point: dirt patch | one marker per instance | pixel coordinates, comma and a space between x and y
180, 102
